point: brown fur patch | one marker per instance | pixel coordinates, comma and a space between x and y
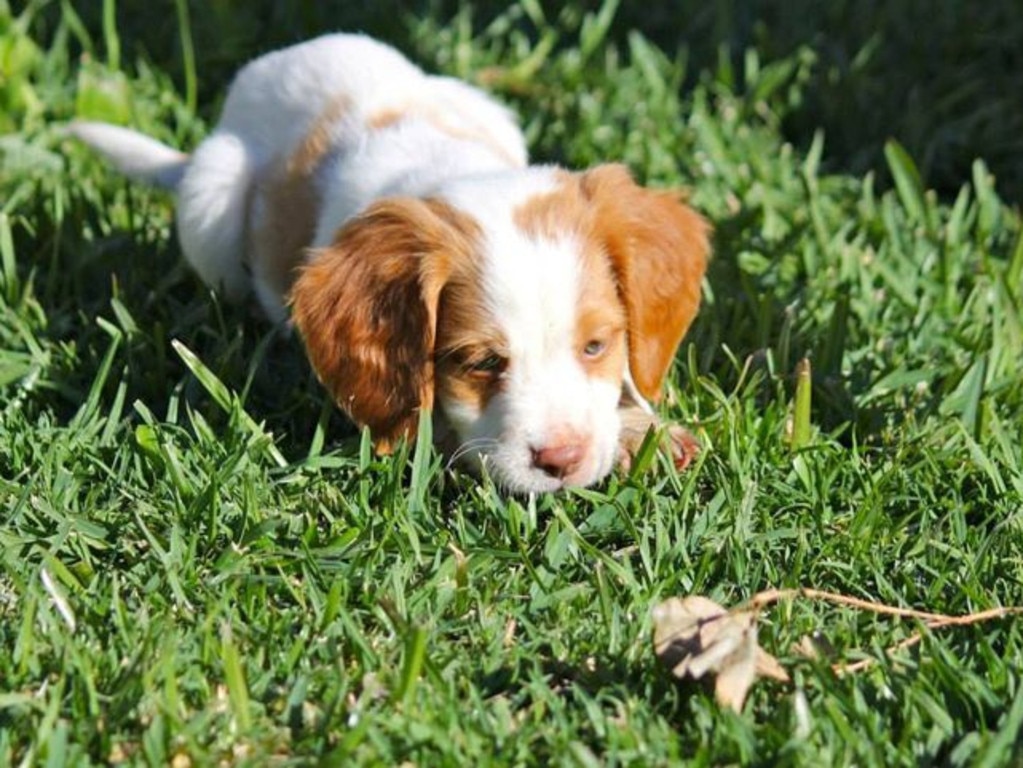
600, 315
291, 204
466, 336
600, 311
442, 121
659, 249
367, 308
385, 118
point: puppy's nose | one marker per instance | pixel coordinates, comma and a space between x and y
560, 459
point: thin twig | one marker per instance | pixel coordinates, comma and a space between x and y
769, 597
916, 637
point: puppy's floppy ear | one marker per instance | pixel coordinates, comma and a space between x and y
659, 248
366, 307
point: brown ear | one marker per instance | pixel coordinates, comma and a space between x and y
366, 307
659, 248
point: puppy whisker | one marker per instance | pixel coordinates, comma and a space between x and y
469, 446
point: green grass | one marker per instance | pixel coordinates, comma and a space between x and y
199, 559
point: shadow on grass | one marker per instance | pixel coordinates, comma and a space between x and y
136, 281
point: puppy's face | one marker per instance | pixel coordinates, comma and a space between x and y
518, 308
530, 355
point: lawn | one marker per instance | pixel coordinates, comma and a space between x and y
202, 564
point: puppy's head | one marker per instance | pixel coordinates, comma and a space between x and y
520, 308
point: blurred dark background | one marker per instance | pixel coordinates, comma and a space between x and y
940, 76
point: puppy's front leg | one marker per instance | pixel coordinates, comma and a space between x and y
680, 443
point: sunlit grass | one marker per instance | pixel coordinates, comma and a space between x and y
199, 558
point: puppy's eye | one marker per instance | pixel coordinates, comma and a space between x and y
489, 365
594, 348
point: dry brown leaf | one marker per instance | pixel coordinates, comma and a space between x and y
769, 666
814, 646
695, 636
737, 671
806, 648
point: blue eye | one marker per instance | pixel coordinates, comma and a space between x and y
595, 348
490, 364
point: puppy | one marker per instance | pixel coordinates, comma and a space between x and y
534, 311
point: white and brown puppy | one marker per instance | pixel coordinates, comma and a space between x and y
534, 311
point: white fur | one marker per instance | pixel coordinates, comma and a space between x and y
271, 106
408, 158
137, 156
454, 143
532, 286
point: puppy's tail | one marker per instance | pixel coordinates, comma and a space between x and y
212, 187
134, 154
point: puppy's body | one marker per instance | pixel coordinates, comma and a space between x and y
427, 266
308, 137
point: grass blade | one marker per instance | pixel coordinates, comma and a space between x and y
1014, 272
907, 181
801, 427
9, 282
223, 397
234, 677
110, 37
412, 663
187, 55
421, 460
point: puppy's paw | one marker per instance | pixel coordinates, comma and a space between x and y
682, 445
679, 443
